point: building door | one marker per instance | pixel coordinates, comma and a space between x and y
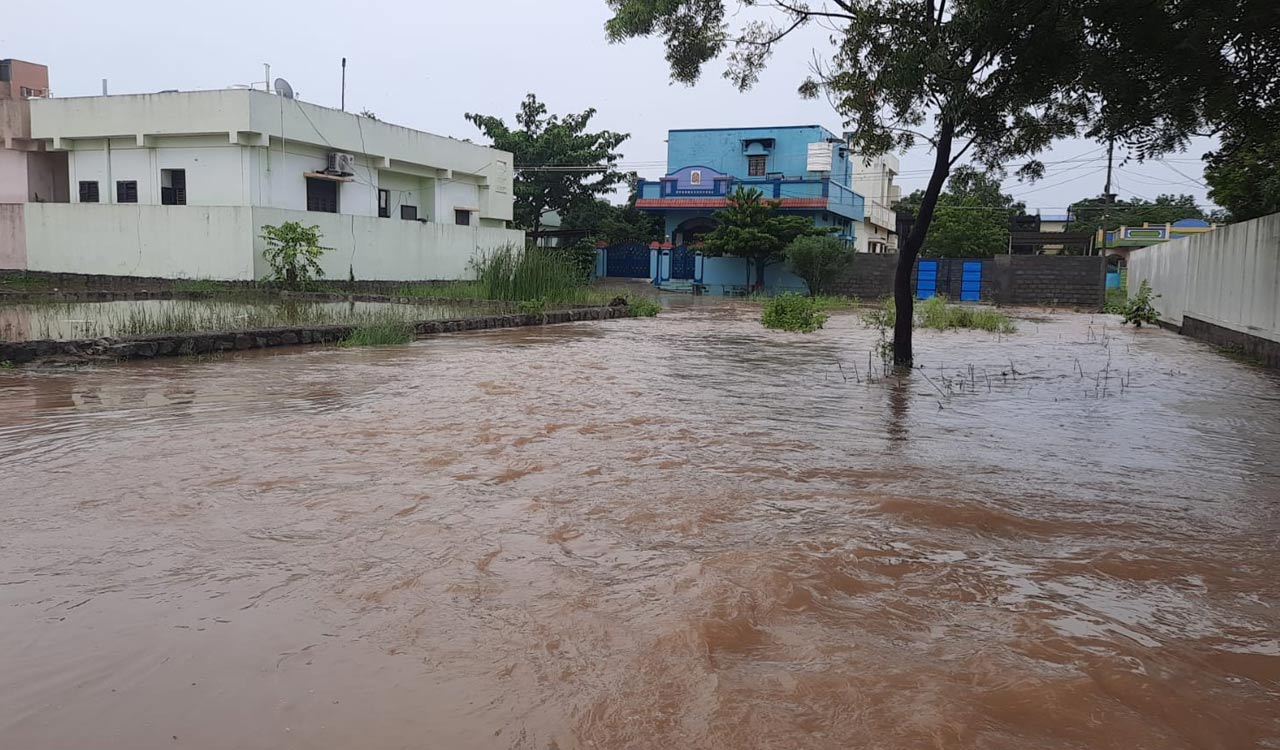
682, 261
971, 281
926, 278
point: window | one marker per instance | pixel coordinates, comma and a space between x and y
384, 204
755, 166
4, 70
695, 177
89, 191
173, 187
126, 191
322, 195
409, 212
462, 217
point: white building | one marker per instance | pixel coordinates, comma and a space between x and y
873, 180
180, 184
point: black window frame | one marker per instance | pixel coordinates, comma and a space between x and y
126, 191
89, 192
384, 203
175, 194
322, 203
462, 217
757, 165
408, 213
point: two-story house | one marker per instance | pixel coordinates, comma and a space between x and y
806, 168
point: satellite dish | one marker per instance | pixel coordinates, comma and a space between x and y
283, 88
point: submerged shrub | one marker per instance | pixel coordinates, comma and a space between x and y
643, 307
385, 333
792, 312
1139, 310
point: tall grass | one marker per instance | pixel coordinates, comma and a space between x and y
381, 333
514, 274
938, 314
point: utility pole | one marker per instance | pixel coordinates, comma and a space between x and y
1108, 197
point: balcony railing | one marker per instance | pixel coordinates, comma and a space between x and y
828, 194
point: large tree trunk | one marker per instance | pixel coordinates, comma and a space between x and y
903, 294
760, 265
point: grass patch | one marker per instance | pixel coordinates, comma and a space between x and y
792, 312
24, 283
834, 301
205, 286
384, 333
936, 313
643, 307
1117, 301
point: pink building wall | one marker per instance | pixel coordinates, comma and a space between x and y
13, 237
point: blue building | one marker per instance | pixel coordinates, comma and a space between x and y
805, 167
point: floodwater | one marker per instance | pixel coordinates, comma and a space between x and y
82, 320
681, 532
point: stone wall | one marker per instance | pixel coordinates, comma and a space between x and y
82, 282
179, 344
1069, 281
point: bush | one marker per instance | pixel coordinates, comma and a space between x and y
293, 251
385, 333
936, 313
643, 307
532, 307
820, 261
1139, 309
511, 274
792, 312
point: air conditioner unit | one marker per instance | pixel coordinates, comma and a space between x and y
341, 164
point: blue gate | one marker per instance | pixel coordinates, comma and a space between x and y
971, 281
926, 279
682, 262
627, 260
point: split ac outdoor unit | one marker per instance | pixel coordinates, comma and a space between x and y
341, 164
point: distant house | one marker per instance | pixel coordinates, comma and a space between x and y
806, 168
180, 184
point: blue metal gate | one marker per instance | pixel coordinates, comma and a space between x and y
682, 262
926, 279
627, 260
971, 281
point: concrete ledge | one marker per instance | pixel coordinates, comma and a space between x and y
1265, 351
179, 344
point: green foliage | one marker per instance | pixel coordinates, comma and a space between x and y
6, 364
1117, 301
293, 251
512, 274
792, 312
643, 307
1244, 176
612, 224
383, 333
1139, 310
936, 313
971, 219
833, 301
1088, 214
751, 227
23, 283
540, 143
820, 261
532, 306
582, 256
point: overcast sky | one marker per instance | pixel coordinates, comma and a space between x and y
424, 64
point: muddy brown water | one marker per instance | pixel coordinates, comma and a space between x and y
682, 532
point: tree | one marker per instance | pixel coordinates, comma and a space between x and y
293, 251
1091, 213
972, 217
1244, 176
610, 224
753, 228
819, 261
995, 79
559, 164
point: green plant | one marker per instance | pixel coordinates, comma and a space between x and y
514, 274
751, 227
1117, 301
293, 251
382, 333
834, 301
820, 261
532, 306
792, 312
1139, 309
643, 307
936, 313
5, 364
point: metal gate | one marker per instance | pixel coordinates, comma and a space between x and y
682, 262
627, 260
926, 279
971, 281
